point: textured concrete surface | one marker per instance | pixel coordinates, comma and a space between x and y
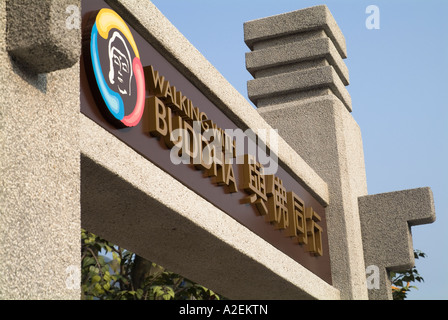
296, 22
298, 81
39, 179
146, 210
296, 53
303, 95
158, 31
386, 221
296, 56
299, 88
131, 202
327, 137
38, 37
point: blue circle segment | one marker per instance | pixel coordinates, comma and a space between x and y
113, 100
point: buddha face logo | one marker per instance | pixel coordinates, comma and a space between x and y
122, 86
120, 73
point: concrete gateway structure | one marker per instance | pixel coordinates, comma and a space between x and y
118, 125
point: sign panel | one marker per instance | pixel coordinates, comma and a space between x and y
133, 92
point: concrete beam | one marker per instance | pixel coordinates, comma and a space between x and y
135, 204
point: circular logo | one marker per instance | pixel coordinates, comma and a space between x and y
117, 68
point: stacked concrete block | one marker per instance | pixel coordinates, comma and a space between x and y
300, 54
299, 88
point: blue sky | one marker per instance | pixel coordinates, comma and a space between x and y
398, 85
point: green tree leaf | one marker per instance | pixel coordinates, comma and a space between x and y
401, 280
111, 278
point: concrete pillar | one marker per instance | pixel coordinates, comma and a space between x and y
299, 89
39, 150
386, 221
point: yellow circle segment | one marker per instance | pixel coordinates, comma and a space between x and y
107, 20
